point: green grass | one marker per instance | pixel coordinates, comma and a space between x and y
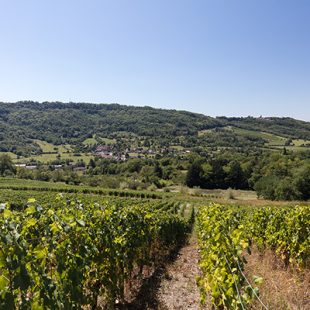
51, 152
273, 140
107, 141
90, 141
177, 147
45, 158
12, 155
45, 146
52, 148
95, 140
64, 148
299, 142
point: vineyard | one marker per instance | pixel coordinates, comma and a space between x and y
86, 251
65, 254
155, 155
41, 186
226, 233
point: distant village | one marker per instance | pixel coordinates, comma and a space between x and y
109, 152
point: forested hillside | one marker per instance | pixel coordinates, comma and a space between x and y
119, 146
73, 122
23, 122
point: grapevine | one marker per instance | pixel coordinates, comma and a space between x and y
66, 254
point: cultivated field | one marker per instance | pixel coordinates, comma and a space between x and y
121, 248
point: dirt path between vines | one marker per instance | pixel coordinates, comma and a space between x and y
172, 286
178, 289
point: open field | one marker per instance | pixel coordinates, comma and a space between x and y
177, 147
52, 148
271, 138
273, 141
226, 197
300, 142
107, 141
90, 141
51, 153
12, 155
95, 140
45, 158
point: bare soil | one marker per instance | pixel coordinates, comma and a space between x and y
173, 284
178, 288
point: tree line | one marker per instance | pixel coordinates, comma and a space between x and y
273, 175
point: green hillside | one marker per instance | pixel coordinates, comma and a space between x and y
33, 128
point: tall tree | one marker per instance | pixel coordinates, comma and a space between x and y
6, 165
194, 174
235, 175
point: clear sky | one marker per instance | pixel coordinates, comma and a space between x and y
232, 57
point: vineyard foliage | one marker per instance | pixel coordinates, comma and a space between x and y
284, 230
226, 233
66, 253
222, 242
17, 185
19, 198
75, 250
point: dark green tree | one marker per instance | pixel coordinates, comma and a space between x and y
6, 165
92, 163
194, 176
235, 176
158, 171
302, 183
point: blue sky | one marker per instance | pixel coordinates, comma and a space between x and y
233, 57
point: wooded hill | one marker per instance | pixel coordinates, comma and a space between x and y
71, 123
